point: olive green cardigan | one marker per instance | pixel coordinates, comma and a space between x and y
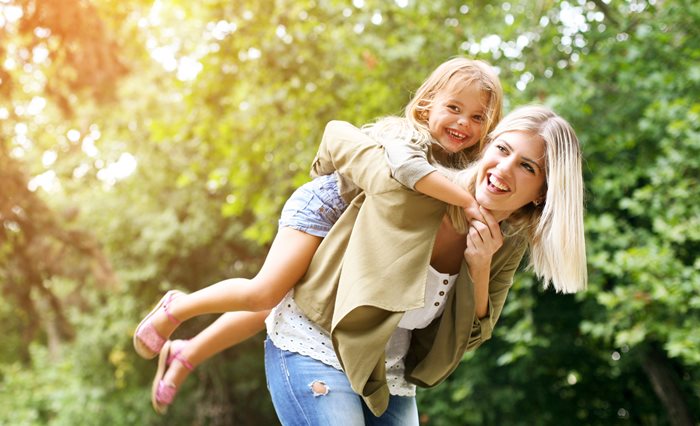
372, 267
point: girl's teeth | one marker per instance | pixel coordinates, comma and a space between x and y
455, 134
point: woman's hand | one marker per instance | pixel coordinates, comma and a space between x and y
483, 240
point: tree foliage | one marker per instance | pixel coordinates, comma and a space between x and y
150, 145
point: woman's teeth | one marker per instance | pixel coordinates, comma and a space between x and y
493, 180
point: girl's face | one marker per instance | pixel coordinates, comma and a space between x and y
456, 116
511, 173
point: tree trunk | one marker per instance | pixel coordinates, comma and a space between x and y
665, 384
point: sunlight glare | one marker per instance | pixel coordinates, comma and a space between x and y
89, 148
49, 158
165, 56
490, 43
222, 29
73, 135
188, 68
12, 13
118, 170
81, 171
36, 105
573, 19
40, 54
46, 181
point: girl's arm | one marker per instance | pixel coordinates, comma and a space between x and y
438, 186
407, 157
352, 153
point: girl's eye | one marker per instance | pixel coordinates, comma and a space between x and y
453, 108
479, 118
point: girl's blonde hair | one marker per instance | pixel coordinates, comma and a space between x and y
555, 227
455, 74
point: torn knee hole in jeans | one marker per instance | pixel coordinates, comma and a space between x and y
319, 388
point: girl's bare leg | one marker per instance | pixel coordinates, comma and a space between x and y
229, 329
286, 262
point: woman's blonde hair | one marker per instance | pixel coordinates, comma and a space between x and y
555, 227
454, 74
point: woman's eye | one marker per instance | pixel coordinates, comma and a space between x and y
529, 168
501, 148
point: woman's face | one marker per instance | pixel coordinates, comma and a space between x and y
511, 173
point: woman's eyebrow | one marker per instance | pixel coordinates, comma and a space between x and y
527, 159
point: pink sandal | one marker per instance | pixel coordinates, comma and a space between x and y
147, 341
162, 393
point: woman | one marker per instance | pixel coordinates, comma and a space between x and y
357, 335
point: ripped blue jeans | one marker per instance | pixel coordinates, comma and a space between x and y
308, 392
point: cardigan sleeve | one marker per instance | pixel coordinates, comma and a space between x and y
407, 157
499, 285
355, 156
437, 349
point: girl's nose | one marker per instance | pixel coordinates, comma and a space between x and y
463, 122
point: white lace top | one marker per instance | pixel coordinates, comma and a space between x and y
289, 329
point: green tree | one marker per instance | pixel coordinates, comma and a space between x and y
150, 145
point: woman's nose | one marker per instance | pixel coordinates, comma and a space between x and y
505, 165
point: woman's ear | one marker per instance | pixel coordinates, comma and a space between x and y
538, 201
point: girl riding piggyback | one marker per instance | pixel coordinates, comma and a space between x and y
445, 124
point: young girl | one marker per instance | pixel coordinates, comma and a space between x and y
445, 123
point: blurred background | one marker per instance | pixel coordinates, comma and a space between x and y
149, 145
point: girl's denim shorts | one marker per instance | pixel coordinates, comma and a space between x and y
314, 207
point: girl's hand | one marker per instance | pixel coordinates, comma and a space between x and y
473, 212
483, 240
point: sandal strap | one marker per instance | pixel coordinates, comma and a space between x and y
177, 356
166, 304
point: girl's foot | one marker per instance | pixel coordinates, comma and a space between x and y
156, 327
166, 382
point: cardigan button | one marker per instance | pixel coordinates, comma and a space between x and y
437, 303
442, 293
445, 282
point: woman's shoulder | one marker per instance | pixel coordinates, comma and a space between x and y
515, 239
